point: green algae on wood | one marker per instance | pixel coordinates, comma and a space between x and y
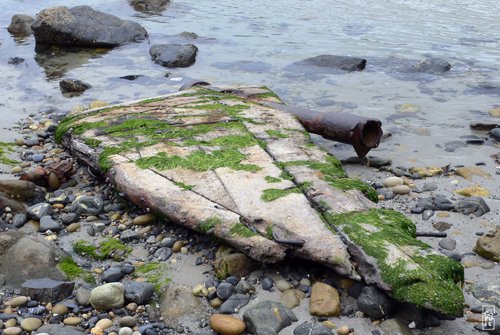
270, 179
276, 133
198, 161
426, 279
271, 194
206, 225
350, 184
240, 229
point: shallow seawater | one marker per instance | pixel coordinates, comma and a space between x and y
255, 42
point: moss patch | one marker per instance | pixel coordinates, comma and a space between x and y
330, 168
185, 187
208, 224
154, 273
276, 133
198, 161
271, 194
270, 179
240, 229
428, 282
92, 142
349, 184
6, 148
105, 250
73, 271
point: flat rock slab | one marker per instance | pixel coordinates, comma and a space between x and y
222, 163
47, 290
85, 27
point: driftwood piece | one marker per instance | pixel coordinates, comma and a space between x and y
249, 174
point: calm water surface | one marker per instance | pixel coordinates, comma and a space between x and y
253, 42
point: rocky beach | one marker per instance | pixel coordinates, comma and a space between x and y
77, 257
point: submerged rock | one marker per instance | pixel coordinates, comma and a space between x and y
20, 25
85, 27
344, 63
73, 85
154, 6
174, 55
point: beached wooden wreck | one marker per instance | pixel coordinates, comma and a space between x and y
230, 166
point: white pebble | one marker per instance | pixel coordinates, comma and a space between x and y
393, 181
125, 331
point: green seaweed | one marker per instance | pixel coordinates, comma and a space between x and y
104, 251
240, 229
349, 184
73, 271
198, 161
271, 194
78, 128
276, 133
229, 141
269, 232
185, 187
270, 179
206, 225
431, 284
330, 168
154, 273
6, 148
92, 142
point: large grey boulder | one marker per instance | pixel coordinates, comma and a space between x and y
47, 290
20, 25
28, 257
174, 55
55, 329
84, 26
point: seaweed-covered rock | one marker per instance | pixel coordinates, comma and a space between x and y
85, 27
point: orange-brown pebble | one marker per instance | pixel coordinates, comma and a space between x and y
227, 325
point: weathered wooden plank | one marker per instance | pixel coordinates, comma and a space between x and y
228, 165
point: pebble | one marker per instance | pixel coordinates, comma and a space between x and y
448, 243
427, 214
393, 181
225, 290
31, 324
227, 325
104, 323
282, 285
343, 330
128, 321
200, 290
144, 219
60, 309
10, 323
53, 181
267, 283
17, 301
125, 331
73, 227
401, 189
72, 321
12, 331
177, 246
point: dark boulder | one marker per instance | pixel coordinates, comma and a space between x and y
374, 303
20, 25
472, 205
47, 290
337, 62
149, 6
268, 318
85, 27
174, 55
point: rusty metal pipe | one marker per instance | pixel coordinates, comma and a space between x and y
361, 132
